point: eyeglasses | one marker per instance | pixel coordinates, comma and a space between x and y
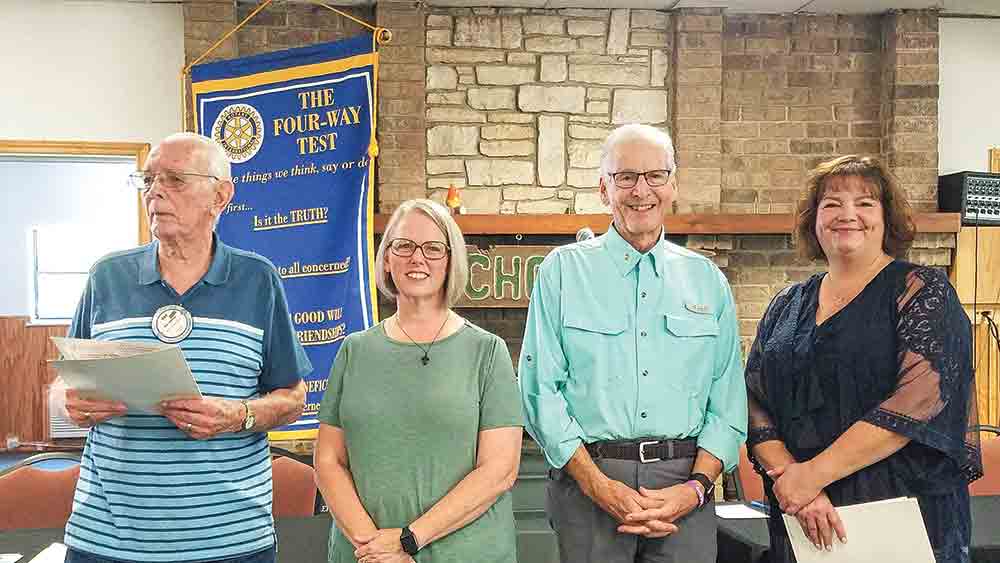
629, 179
143, 181
432, 249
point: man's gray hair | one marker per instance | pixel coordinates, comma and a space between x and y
636, 132
215, 156
458, 262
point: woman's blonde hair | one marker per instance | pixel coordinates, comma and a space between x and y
458, 258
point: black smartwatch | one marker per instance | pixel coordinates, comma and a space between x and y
708, 484
409, 542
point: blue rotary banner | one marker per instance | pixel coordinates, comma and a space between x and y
298, 126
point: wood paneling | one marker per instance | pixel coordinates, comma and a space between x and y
978, 260
987, 376
24, 376
683, 224
975, 274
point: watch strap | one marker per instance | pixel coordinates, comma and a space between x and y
248, 417
706, 483
697, 490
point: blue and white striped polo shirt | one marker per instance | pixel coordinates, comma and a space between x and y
147, 491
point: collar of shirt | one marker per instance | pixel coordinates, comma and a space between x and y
218, 270
625, 256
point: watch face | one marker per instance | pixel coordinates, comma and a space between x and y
408, 542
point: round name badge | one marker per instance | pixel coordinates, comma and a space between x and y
172, 323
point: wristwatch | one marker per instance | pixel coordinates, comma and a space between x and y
409, 541
249, 419
707, 483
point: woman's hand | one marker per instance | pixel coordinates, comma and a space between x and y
819, 521
383, 547
795, 485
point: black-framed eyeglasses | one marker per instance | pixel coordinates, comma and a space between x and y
143, 181
628, 179
432, 249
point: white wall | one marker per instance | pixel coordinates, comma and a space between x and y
93, 71
969, 106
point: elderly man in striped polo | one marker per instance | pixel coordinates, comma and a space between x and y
194, 482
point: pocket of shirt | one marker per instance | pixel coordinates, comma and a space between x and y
695, 349
590, 342
684, 326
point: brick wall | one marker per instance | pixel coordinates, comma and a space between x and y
513, 104
797, 90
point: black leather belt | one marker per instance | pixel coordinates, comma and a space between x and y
644, 451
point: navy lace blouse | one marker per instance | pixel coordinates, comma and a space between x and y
897, 357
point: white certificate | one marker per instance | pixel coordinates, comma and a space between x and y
887, 530
139, 375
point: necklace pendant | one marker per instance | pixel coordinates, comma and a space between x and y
425, 360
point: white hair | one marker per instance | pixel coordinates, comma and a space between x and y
458, 259
636, 132
215, 156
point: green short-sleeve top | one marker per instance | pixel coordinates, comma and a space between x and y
412, 432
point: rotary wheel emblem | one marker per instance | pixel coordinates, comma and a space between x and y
240, 130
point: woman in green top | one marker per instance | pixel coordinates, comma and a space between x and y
420, 434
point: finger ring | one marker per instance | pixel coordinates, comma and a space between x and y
189, 426
86, 415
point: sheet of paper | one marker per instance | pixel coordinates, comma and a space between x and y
737, 512
10, 557
85, 349
890, 530
55, 553
140, 380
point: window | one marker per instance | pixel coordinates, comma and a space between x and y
59, 213
62, 256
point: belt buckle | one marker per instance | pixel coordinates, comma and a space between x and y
642, 451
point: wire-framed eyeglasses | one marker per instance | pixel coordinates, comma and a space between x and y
143, 181
432, 249
628, 179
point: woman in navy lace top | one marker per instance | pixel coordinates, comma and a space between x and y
860, 381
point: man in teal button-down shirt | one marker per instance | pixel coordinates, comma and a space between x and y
631, 376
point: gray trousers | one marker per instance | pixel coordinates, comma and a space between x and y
587, 534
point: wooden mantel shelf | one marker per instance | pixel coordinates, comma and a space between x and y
685, 224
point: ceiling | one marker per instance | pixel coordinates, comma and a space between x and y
947, 7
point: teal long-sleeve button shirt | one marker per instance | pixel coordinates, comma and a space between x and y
622, 345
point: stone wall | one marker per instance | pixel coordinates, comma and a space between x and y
518, 101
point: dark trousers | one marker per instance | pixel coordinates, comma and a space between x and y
587, 534
265, 556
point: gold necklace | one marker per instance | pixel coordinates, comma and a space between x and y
426, 359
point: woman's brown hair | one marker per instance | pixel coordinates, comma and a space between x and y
897, 213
